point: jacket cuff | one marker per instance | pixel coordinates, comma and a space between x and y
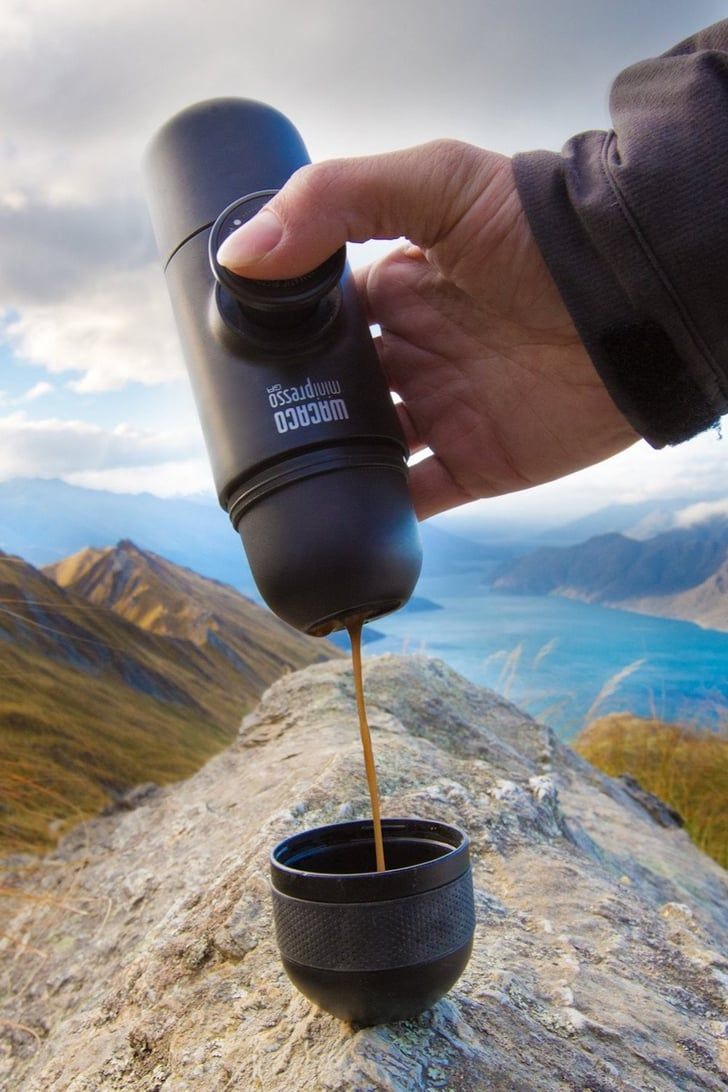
648, 379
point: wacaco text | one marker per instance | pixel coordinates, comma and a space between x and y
311, 403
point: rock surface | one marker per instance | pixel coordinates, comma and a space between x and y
141, 954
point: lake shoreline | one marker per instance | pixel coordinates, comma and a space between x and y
554, 655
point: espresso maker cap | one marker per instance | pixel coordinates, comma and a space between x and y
208, 156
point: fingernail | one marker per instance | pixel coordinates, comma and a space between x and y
252, 241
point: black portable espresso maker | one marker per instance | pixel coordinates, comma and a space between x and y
310, 463
307, 454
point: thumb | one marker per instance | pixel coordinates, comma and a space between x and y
420, 193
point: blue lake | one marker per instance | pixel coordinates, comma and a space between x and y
553, 656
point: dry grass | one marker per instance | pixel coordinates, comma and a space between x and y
71, 742
610, 687
92, 703
685, 767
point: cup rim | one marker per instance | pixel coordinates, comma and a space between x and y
349, 887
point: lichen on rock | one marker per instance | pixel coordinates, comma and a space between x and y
142, 955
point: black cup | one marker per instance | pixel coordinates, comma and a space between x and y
368, 946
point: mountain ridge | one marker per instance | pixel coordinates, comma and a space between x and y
177, 602
678, 573
635, 519
93, 703
186, 532
191, 532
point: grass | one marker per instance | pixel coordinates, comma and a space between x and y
685, 767
92, 703
72, 741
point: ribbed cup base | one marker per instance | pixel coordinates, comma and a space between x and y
379, 997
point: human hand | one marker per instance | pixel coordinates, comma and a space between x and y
475, 338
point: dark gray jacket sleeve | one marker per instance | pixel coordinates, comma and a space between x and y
633, 224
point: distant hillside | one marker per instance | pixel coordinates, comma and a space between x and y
92, 703
45, 521
444, 552
706, 604
253, 645
639, 519
676, 516
679, 574
419, 605
686, 768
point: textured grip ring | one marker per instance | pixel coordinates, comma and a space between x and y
376, 936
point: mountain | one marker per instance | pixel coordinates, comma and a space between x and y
500, 537
639, 519
419, 605
162, 598
93, 702
706, 604
686, 515
45, 521
444, 551
40, 618
680, 573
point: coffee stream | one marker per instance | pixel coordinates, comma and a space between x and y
355, 627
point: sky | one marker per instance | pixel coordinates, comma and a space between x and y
92, 384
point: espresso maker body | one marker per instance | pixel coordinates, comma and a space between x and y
306, 449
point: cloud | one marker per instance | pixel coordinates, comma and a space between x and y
53, 447
83, 88
118, 331
37, 391
176, 478
84, 294
640, 473
701, 513
55, 252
